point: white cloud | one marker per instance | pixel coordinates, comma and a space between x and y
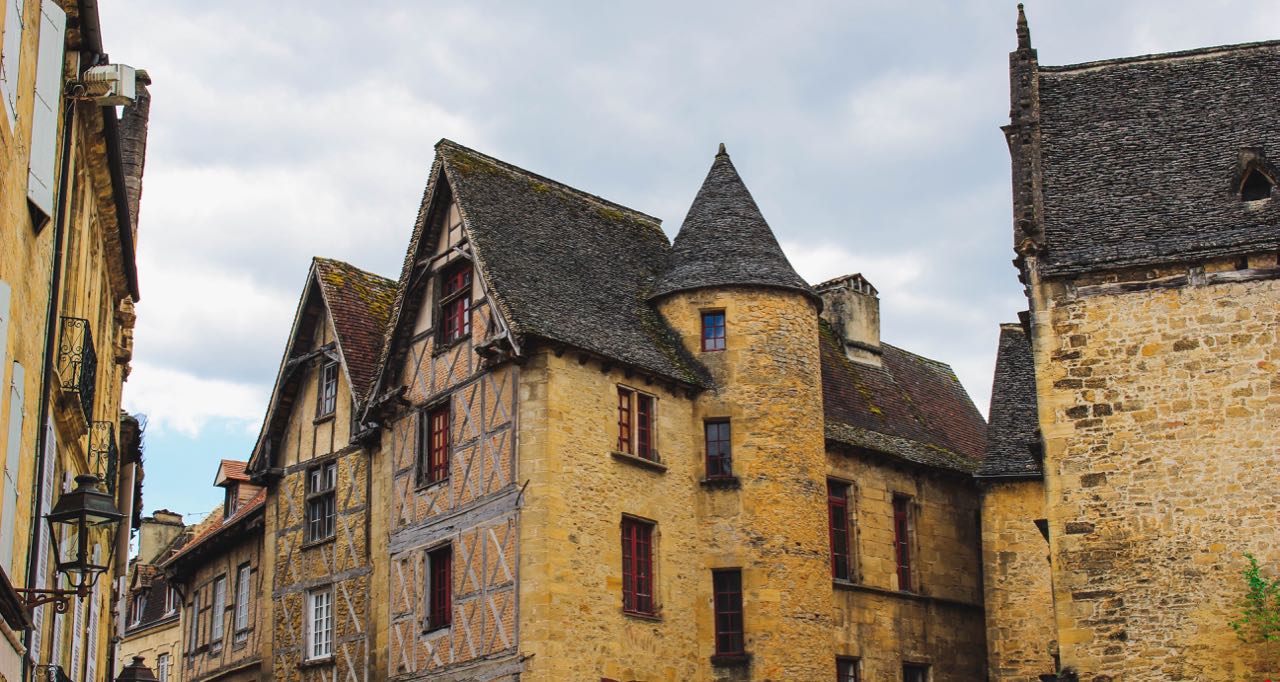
182, 402
910, 112
820, 262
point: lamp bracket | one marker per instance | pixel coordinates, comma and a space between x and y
61, 599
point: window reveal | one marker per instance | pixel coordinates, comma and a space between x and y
321, 500
719, 452
838, 527
727, 584
440, 588
433, 445
327, 400
902, 540
455, 303
637, 420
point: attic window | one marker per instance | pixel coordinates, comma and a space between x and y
1256, 187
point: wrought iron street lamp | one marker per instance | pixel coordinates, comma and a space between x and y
80, 523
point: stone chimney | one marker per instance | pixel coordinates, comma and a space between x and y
133, 146
851, 306
157, 532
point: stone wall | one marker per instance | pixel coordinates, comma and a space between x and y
939, 623
1021, 635
1159, 403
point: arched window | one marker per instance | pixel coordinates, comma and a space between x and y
1256, 187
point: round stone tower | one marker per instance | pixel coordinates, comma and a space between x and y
752, 322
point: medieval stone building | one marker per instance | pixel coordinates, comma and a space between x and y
153, 606
1131, 461
561, 447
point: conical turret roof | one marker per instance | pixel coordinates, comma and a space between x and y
725, 241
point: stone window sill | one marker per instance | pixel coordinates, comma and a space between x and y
650, 617
316, 662
731, 660
721, 483
323, 418
639, 461
311, 544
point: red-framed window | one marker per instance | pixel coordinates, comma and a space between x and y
433, 445
713, 330
847, 669
440, 587
912, 672
902, 540
719, 452
455, 303
637, 566
838, 529
727, 584
637, 418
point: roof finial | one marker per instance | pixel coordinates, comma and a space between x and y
722, 152
1024, 32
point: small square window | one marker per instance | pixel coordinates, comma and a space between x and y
637, 422
713, 330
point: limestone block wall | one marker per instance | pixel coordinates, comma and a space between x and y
1021, 636
1159, 410
774, 526
571, 617
939, 623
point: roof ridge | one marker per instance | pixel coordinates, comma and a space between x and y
345, 264
1161, 56
641, 215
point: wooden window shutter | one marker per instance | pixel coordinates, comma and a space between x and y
10, 58
12, 460
48, 103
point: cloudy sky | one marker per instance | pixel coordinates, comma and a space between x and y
868, 131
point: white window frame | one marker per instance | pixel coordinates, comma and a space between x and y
138, 604
244, 575
218, 616
163, 663
170, 600
319, 641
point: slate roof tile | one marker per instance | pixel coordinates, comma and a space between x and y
1013, 435
911, 407
359, 304
1140, 157
725, 241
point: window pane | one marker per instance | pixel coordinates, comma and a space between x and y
440, 573
624, 420
728, 611
838, 526
637, 566
713, 331
902, 541
719, 460
644, 426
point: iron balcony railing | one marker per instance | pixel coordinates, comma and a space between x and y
103, 455
78, 361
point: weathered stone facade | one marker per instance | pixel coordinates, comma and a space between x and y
1148, 460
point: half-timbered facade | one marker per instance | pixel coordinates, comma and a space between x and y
313, 456
218, 573
607, 456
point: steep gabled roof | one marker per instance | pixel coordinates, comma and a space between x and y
1140, 157
1013, 441
560, 264
725, 241
912, 407
217, 527
359, 304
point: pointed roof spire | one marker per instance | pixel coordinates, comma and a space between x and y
725, 241
1024, 32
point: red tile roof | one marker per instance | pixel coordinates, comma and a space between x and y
359, 303
212, 527
232, 470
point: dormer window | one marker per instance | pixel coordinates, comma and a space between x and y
232, 503
1256, 187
